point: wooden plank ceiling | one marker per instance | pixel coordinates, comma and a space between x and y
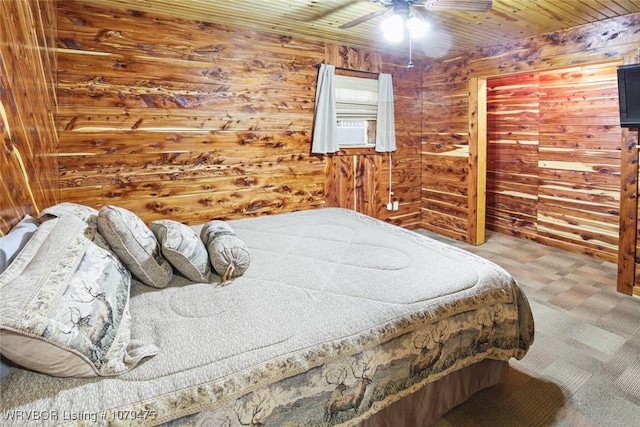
451, 32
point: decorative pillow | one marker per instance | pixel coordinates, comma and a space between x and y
82, 212
183, 248
15, 240
66, 208
135, 245
228, 254
65, 306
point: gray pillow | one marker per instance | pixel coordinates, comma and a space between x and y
15, 240
66, 208
228, 254
82, 212
65, 306
135, 245
182, 247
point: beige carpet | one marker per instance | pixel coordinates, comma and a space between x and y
584, 366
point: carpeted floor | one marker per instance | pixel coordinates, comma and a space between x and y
584, 366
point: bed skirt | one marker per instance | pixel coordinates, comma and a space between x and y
422, 408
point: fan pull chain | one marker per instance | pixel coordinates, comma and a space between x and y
410, 64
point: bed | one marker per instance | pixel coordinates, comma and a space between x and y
340, 319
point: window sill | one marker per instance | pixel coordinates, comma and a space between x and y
361, 149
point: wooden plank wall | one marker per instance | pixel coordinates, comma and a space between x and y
359, 178
513, 133
445, 149
445, 159
628, 280
579, 160
406, 164
193, 121
554, 158
27, 107
629, 266
184, 120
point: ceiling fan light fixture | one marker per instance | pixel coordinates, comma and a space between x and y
393, 28
417, 27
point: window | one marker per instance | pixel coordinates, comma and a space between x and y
356, 133
356, 110
358, 99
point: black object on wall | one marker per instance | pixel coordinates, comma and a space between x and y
629, 95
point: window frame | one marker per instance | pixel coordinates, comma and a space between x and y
370, 122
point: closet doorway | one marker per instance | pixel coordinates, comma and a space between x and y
553, 157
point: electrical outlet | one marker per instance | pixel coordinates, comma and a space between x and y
395, 205
389, 206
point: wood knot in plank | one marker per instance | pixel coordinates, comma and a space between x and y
71, 44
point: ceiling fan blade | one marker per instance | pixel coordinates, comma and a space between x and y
424, 13
330, 12
364, 18
459, 5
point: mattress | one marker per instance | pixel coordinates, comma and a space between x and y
338, 316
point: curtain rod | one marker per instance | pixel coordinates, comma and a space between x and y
351, 69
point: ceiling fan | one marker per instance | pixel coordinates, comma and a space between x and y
403, 8
407, 14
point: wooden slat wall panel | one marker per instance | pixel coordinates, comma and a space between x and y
445, 150
579, 192
406, 166
445, 195
212, 121
513, 116
628, 280
27, 106
628, 260
204, 122
554, 158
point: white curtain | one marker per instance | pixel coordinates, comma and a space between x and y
385, 121
325, 124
